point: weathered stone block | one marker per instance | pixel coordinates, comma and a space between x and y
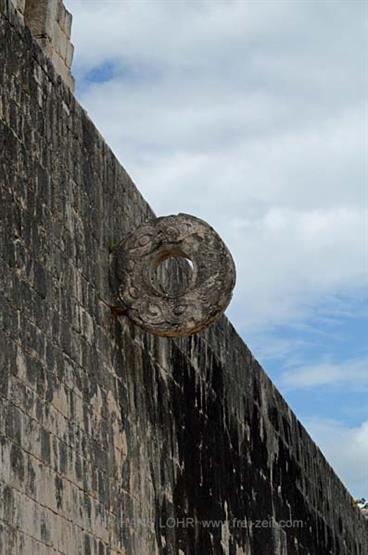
19, 5
50, 25
68, 19
60, 42
69, 54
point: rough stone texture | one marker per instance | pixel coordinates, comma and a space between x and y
50, 24
159, 309
107, 432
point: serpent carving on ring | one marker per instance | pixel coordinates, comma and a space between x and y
196, 306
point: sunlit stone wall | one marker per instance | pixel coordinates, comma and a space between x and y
50, 24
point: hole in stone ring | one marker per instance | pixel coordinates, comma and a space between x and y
172, 274
180, 281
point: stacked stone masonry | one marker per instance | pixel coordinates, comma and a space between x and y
109, 435
50, 24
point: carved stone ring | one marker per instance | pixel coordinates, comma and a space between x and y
180, 312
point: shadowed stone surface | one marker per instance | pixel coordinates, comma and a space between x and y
109, 437
187, 310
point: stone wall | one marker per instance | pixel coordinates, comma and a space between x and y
113, 441
50, 24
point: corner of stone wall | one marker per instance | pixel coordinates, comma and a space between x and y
50, 24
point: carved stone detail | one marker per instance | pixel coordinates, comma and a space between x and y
193, 308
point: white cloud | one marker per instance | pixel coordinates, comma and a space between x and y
346, 449
288, 260
352, 374
248, 115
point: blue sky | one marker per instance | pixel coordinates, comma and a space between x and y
252, 116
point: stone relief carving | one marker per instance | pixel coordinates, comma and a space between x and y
199, 251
